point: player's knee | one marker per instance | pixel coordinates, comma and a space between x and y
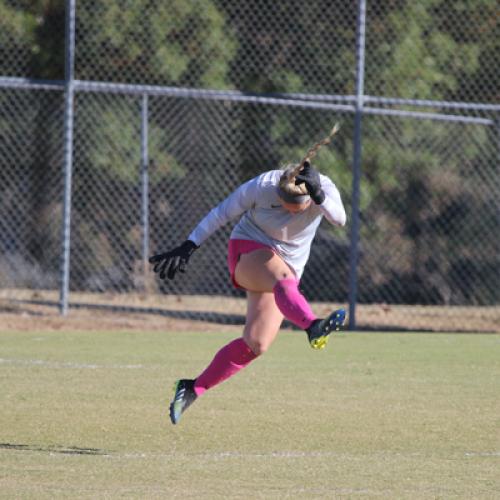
284, 274
280, 270
258, 346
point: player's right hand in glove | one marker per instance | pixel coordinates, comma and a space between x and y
310, 177
167, 264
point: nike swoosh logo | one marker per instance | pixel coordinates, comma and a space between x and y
275, 206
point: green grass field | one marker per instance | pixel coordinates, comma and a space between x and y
84, 415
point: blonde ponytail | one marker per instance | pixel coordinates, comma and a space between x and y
313, 151
287, 180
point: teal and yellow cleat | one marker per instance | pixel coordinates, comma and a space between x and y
184, 396
318, 333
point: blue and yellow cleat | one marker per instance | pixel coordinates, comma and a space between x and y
320, 330
184, 396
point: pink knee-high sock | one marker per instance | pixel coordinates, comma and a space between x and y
226, 363
292, 303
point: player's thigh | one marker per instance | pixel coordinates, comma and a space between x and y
263, 321
259, 270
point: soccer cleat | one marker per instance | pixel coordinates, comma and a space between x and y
184, 396
320, 329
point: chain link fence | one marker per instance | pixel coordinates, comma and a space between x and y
177, 103
31, 171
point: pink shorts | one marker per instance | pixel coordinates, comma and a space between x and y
236, 248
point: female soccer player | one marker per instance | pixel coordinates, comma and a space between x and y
280, 212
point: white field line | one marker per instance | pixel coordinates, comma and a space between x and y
63, 364
483, 454
222, 455
275, 454
173, 455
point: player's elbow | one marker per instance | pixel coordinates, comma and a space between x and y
341, 219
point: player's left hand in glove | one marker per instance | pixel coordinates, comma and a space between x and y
310, 177
167, 264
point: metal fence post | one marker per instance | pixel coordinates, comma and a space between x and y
360, 72
68, 153
497, 129
145, 186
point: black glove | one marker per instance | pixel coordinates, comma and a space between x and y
310, 177
176, 260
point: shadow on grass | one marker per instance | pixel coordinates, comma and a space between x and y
65, 450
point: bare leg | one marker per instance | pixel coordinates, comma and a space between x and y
260, 270
263, 321
264, 271
262, 325
272, 293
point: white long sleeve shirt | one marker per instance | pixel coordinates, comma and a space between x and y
264, 219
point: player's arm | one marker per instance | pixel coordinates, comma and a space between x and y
167, 264
332, 206
324, 193
238, 202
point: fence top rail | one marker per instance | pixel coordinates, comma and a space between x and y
31, 83
208, 94
394, 101
476, 106
422, 115
343, 103
398, 101
238, 94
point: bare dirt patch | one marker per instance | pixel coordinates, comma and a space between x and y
28, 309
27, 317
